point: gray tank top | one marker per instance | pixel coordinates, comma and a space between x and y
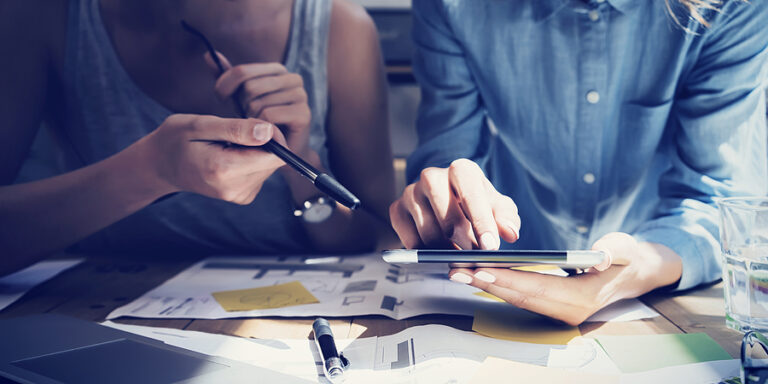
106, 112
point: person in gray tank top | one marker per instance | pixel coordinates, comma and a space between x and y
126, 93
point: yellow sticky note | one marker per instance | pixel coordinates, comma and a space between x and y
487, 295
275, 296
495, 370
538, 268
518, 325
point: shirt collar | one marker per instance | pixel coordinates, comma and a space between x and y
546, 8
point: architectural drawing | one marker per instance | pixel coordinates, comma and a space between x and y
360, 286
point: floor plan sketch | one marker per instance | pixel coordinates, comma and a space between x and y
349, 300
360, 286
339, 286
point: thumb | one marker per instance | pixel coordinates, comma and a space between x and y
211, 61
617, 246
249, 132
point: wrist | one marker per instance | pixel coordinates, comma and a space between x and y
141, 169
660, 266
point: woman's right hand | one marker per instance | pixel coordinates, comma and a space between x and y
181, 157
454, 207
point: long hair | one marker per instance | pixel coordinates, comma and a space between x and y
694, 10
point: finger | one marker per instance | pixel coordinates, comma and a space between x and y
505, 213
461, 275
433, 183
236, 76
467, 181
262, 86
225, 64
421, 212
290, 96
570, 314
250, 132
574, 289
617, 247
294, 115
403, 225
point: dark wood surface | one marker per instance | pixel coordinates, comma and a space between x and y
94, 288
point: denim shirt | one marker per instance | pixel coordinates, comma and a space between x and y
599, 116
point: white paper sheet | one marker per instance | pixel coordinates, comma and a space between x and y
429, 354
15, 285
363, 285
425, 354
624, 310
711, 372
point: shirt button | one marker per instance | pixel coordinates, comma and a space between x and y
589, 178
582, 229
594, 15
593, 97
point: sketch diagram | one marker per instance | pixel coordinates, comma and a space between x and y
353, 300
361, 286
389, 303
346, 270
403, 356
399, 275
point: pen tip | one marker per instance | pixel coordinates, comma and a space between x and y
336, 191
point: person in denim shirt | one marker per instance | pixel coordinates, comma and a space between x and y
605, 124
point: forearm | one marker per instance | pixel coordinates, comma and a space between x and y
45, 216
345, 230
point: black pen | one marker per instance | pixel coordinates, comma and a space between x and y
322, 181
333, 362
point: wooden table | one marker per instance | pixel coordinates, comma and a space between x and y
94, 288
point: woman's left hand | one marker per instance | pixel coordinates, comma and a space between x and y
573, 299
270, 93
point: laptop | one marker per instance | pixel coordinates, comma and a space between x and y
58, 349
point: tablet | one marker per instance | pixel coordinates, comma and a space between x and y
495, 259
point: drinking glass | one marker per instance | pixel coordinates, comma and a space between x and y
744, 246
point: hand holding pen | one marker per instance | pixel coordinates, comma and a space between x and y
181, 157
322, 181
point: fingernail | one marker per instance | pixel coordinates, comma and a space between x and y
262, 131
515, 230
489, 241
461, 278
509, 225
485, 276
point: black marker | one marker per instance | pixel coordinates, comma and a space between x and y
322, 181
333, 362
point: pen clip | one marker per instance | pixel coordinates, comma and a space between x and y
344, 361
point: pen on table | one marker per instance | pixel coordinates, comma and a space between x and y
334, 363
322, 181
575, 258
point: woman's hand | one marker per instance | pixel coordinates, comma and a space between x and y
573, 299
269, 92
454, 207
182, 157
